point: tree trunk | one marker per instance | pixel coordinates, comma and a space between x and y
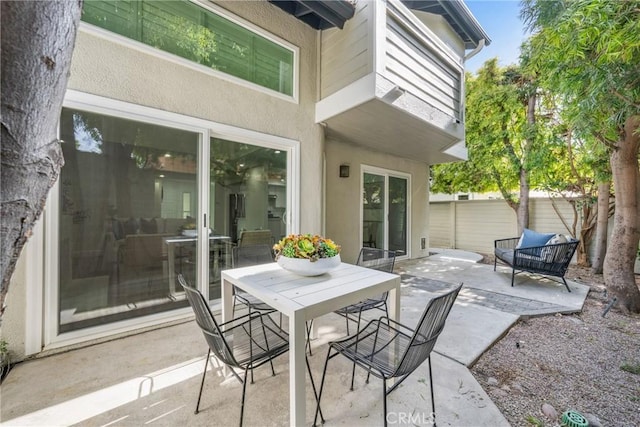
37, 45
522, 213
602, 227
620, 258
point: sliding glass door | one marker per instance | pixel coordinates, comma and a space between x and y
133, 212
127, 190
385, 220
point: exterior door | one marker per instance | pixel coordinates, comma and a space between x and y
385, 202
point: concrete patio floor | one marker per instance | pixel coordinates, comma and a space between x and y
153, 377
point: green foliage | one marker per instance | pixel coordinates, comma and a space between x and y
534, 421
499, 139
588, 51
312, 247
633, 368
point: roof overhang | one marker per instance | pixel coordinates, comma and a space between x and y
375, 114
458, 15
318, 14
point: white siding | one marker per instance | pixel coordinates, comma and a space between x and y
417, 62
347, 54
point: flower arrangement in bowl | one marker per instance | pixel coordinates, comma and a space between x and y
307, 254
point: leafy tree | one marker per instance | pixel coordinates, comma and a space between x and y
505, 139
575, 176
37, 43
588, 51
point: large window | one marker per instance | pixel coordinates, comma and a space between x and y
199, 35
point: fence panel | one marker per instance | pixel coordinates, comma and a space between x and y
473, 225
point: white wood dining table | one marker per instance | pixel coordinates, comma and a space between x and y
304, 298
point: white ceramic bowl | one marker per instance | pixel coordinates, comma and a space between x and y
304, 267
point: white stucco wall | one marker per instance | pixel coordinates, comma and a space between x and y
344, 196
14, 318
113, 70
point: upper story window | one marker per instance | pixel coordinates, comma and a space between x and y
199, 35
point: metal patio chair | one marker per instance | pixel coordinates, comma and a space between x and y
243, 256
378, 259
388, 349
244, 343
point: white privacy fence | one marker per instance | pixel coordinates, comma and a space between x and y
473, 225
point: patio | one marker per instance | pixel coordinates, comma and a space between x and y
153, 377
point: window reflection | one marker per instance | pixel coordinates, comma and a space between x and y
121, 197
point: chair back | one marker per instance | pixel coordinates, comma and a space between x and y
426, 332
244, 256
378, 259
255, 237
207, 323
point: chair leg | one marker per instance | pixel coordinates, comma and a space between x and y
495, 260
353, 370
324, 373
386, 310
433, 401
264, 332
308, 325
206, 363
244, 392
513, 276
565, 284
251, 342
313, 385
384, 400
346, 317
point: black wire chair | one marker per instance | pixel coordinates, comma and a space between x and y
388, 349
244, 343
243, 256
378, 259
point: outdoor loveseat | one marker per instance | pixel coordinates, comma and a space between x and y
549, 259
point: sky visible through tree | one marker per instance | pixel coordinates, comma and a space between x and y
501, 22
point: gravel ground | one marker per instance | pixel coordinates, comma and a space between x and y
545, 366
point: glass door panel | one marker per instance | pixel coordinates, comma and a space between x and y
385, 212
373, 210
128, 199
248, 201
398, 215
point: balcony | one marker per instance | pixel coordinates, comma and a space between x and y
393, 80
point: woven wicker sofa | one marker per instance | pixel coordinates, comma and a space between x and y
548, 260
